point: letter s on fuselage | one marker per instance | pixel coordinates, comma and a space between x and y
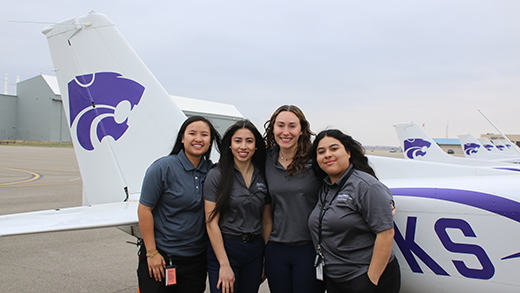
452, 240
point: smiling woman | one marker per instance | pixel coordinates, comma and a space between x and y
238, 207
171, 213
352, 224
289, 255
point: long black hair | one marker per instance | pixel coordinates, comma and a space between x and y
214, 136
356, 150
227, 165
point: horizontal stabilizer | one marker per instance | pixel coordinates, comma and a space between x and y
76, 218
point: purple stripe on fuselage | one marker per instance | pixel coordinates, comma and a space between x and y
489, 202
507, 169
511, 256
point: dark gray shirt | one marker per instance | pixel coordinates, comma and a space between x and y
293, 198
246, 205
173, 187
361, 209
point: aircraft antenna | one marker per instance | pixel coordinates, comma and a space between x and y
501, 133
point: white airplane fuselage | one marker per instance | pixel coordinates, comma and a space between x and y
457, 234
457, 227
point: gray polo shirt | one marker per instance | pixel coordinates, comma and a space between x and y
293, 198
246, 205
362, 208
173, 187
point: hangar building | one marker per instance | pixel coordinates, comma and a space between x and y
36, 112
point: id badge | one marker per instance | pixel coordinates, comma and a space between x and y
318, 264
319, 271
171, 275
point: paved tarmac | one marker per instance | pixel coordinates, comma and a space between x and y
100, 260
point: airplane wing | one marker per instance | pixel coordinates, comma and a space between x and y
76, 218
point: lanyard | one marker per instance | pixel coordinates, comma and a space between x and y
323, 210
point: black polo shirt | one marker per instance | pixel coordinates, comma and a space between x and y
246, 205
293, 197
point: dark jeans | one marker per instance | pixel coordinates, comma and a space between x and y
390, 282
191, 274
246, 260
290, 269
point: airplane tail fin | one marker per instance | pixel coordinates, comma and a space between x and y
499, 145
512, 148
488, 151
488, 145
418, 145
472, 148
121, 119
506, 148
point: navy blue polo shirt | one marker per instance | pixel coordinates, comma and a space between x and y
173, 187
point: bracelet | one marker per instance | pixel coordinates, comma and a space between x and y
152, 254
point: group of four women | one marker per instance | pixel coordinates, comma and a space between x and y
306, 215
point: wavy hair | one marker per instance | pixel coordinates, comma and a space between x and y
227, 166
356, 150
304, 141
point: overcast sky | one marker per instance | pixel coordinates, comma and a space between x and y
360, 66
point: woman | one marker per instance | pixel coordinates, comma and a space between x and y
238, 215
289, 255
352, 225
171, 213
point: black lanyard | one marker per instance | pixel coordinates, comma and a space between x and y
323, 210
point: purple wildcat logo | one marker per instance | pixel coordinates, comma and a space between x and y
488, 147
415, 147
99, 105
500, 147
471, 148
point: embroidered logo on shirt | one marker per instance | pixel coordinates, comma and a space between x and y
344, 198
261, 186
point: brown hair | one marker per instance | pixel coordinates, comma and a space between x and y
304, 141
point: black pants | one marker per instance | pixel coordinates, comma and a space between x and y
291, 268
246, 260
390, 282
191, 274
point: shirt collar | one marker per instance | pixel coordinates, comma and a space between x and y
255, 170
327, 178
204, 165
275, 152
